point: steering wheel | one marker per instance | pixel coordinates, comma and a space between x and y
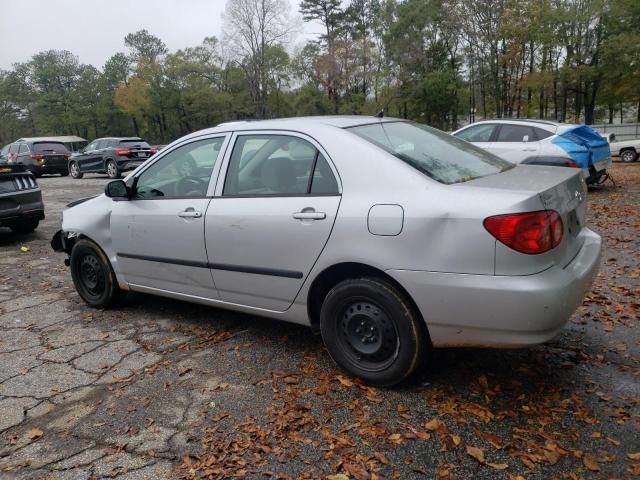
190, 187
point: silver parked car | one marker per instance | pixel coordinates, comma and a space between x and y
386, 236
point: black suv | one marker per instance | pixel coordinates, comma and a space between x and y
111, 156
21, 206
40, 156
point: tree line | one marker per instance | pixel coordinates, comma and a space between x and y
440, 62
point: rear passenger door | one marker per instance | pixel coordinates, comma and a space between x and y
94, 162
515, 143
84, 159
270, 218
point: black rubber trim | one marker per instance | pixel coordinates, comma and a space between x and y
217, 266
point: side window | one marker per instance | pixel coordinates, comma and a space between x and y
542, 134
515, 133
91, 146
13, 148
478, 133
323, 181
23, 148
182, 173
270, 165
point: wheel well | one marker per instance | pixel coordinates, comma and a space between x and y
335, 274
624, 149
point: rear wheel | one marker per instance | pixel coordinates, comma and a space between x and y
112, 169
25, 226
74, 168
628, 156
93, 276
371, 331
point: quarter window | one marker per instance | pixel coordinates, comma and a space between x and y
277, 165
182, 173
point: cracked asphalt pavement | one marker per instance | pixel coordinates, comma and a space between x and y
164, 389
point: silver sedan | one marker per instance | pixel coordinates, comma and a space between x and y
387, 237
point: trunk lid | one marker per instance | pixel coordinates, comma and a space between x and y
548, 188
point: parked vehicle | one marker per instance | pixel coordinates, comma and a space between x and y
40, 155
386, 236
72, 142
540, 142
21, 207
111, 156
626, 150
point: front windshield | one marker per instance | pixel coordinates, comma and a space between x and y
436, 154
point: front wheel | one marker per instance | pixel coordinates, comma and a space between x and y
74, 168
371, 331
628, 156
112, 169
93, 276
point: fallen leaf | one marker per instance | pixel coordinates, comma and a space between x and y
291, 380
344, 381
433, 424
35, 433
337, 476
498, 466
590, 463
184, 371
25, 249
634, 456
476, 453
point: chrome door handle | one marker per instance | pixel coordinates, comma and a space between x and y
309, 215
190, 213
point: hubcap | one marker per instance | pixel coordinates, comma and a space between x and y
92, 275
112, 169
74, 169
369, 335
627, 156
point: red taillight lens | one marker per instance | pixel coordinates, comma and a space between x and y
35, 156
122, 151
531, 232
153, 150
572, 164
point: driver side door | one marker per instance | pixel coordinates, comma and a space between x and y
158, 234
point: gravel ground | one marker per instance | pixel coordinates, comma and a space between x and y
165, 389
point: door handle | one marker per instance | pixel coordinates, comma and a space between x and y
190, 213
309, 215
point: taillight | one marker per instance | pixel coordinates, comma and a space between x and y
35, 156
153, 150
122, 151
572, 164
530, 232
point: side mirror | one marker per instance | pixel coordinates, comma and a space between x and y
117, 190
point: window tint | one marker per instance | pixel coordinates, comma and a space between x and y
183, 172
438, 155
477, 133
323, 181
515, 133
49, 147
13, 148
541, 133
270, 165
23, 148
134, 143
92, 146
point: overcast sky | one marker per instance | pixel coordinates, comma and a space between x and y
95, 29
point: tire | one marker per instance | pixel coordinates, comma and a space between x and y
112, 169
628, 156
26, 226
372, 332
74, 168
93, 276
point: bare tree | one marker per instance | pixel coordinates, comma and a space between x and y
251, 27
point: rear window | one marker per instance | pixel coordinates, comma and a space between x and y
134, 143
438, 155
49, 147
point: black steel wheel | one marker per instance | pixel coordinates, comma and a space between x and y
93, 276
371, 331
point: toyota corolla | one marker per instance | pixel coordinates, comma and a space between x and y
386, 236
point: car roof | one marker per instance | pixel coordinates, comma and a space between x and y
64, 138
134, 139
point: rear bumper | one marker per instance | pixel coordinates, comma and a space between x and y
126, 164
502, 311
17, 207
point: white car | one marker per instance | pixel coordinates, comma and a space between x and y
541, 142
627, 150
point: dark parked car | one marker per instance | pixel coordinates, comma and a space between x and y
21, 207
40, 155
111, 156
